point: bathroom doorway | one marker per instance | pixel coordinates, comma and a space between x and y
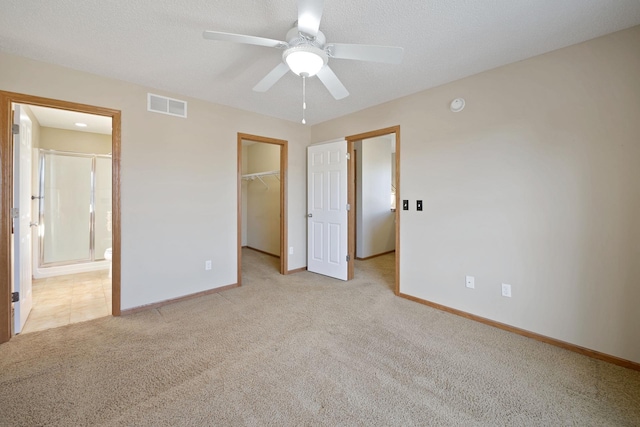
71, 216
74, 215
262, 216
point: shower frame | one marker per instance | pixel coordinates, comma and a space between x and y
41, 207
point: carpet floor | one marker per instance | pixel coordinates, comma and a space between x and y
304, 350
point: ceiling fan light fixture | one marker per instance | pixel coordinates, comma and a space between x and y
305, 59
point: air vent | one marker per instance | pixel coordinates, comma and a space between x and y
164, 105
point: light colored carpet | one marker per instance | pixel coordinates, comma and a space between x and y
304, 350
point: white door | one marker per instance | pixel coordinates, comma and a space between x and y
21, 224
327, 209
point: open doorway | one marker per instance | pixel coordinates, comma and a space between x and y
262, 172
71, 201
374, 161
373, 192
72, 245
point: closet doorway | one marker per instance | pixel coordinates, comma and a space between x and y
262, 198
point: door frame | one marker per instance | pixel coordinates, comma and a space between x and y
351, 197
6, 173
283, 199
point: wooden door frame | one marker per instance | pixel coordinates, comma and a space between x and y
284, 262
351, 197
6, 202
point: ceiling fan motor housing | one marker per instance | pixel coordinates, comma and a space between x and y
295, 37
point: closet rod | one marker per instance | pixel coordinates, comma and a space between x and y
251, 175
259, 175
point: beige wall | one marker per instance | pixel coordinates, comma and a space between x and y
78, 142
263, 203
535, 183
178, 180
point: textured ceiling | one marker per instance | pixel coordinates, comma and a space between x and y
158, 43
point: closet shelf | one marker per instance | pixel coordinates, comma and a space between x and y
260, 175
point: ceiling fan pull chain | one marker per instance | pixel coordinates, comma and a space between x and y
304, 97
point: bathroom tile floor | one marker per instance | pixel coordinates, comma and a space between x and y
58, 301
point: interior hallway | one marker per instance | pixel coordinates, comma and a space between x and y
61, 300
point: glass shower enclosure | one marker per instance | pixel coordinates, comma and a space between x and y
75, 207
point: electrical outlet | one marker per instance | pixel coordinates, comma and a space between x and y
470, 282
290, 250
506, 290
207, 265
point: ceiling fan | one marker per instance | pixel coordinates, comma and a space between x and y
307, 53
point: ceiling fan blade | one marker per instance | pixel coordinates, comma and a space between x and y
309, 14
332, 83
241, 38
271, 78
363, 52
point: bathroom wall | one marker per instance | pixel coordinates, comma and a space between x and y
263, 203
75, 141
375, 225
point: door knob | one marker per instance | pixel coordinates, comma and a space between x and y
33, 224
310, 215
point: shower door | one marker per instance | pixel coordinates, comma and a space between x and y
69, 196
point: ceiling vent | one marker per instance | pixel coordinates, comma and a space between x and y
164, 105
